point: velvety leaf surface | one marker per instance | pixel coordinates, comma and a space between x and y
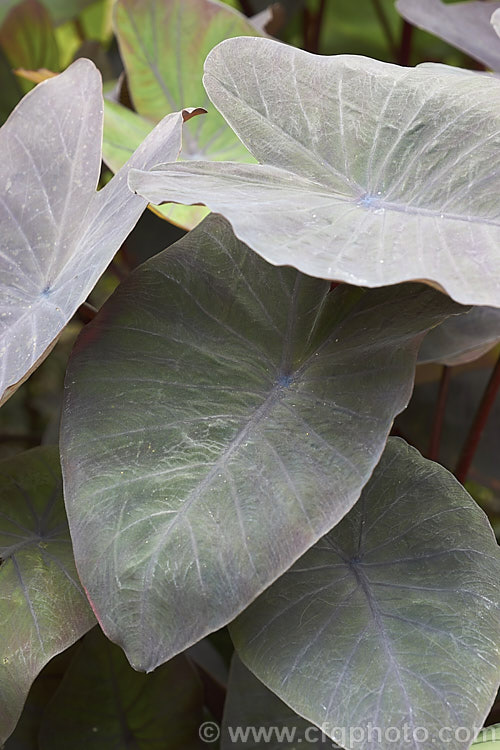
250, 705
214, 408
58, 233
43, 608
102, 703
390, 620
462, 338
163, 44
399, 188
28, 39
466, 25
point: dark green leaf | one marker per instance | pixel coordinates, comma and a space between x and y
43, 608
102, 704
254, 717
220, 416
392, 619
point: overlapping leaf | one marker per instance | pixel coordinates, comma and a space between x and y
58, 233
392, 619
102, 703
370, 173
221, 415
43, 608
462, 338
466, 25
254, 717
25, 735
164, 44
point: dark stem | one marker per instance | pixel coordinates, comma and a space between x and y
215, 692
246, 8
5, 437
480, 420
406, 40
396, 432
117, 271
86, 312
437, 427
79, 29
379, 10
312, 28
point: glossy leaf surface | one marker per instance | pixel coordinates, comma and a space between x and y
43, 608
399, 188
220, 416
374, 625
58, 233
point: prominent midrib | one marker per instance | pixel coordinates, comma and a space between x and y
250, 425
261, 413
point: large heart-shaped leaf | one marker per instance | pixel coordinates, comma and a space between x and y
58, 233
102, 703
370, 173
43, 608
163, 44
220, 416
254, 717
462, 338
466, 25
392, 619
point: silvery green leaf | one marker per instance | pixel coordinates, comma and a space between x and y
57, 233
369, 173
